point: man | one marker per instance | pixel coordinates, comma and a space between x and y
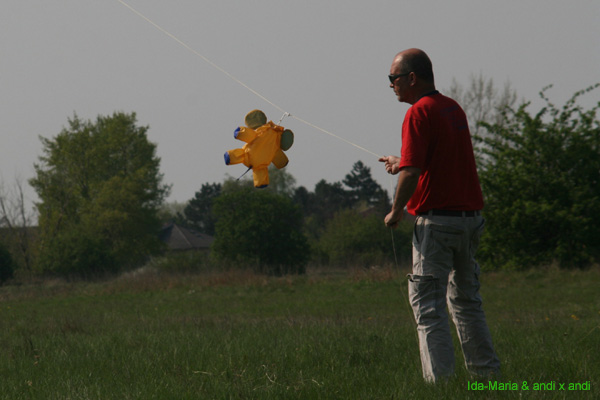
437, 182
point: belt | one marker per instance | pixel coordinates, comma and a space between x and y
452, 213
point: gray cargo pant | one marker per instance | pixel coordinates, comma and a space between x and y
445, 273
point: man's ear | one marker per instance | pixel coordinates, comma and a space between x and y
412, 77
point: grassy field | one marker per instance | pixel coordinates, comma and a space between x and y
326, 335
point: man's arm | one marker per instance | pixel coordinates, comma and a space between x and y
408, 178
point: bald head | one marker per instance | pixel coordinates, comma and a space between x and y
411, 75
414, 60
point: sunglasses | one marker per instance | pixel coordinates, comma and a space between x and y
394, 77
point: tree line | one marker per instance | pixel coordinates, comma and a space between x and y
282, 228
101, 195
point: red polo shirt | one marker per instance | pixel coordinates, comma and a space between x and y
436, 139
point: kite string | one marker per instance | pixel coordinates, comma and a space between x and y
238, 81
334, 135
393, 192
207, 60
404, 295
257, 94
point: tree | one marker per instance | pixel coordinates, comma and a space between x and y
281, 181
329, 198
364, 189
100, 189
198, 212
541, 182
320, 206
172, 211
231, 184
18, 220
260, 228
483, 103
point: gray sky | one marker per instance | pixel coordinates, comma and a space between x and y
325, 61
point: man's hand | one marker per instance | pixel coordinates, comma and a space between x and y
392, 164
408, 179
393, 218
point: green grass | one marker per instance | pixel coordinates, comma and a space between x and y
326, 335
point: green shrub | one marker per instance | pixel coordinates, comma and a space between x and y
351, 239
261, 229
541, 181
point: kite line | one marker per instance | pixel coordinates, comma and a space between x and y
257, 94
238, 81
207, 60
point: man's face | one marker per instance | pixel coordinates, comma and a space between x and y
401, 86
400, 81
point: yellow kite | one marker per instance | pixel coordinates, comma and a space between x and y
265, 143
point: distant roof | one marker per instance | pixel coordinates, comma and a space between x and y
179, 238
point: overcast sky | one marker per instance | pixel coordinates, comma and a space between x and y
325, 61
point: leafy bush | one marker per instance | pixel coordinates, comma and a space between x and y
260, 228
541, 181
76, 254
351, 239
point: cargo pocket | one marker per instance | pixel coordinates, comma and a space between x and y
417, 230
425, 293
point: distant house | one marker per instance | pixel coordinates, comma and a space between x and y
178, 238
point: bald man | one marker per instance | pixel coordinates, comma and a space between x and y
438, 183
